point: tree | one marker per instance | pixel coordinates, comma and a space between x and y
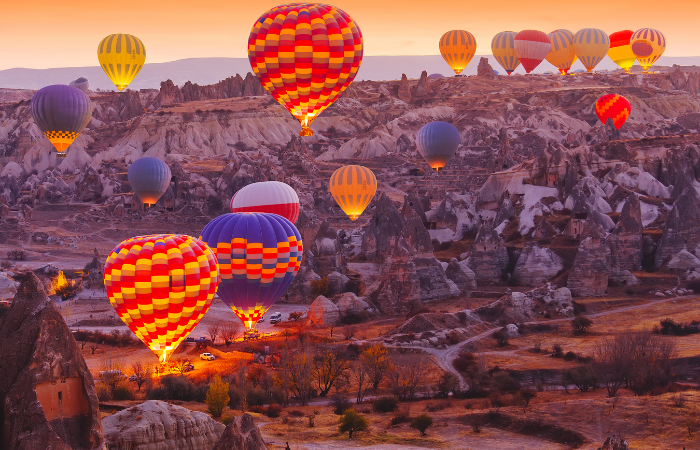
300, 374
231, 332
181, 365
407, 373
295, 315
258, 376
360, 374
377, 362
340, 403
449, 382
329, 366
93, 348
217, 397
581, 324
583, 377
501, 337
422, 423
319, 287
610, 361
213, 331
141, 372
351, 421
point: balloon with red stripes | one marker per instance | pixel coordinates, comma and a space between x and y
615, 107
532, 47
272, 197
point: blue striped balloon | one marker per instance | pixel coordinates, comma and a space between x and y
259, 254
149, 179
437, 142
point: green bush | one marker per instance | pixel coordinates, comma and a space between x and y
422, 423
385, 404
351, 421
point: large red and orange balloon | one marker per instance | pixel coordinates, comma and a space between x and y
621, 50
305, 55
531, 47
161, 286
615, 107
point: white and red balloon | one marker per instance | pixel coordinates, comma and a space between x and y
267, 197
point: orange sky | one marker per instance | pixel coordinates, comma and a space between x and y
65, 33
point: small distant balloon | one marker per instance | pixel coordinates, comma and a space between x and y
648, 45
149, 178
81, 83
503, 49
615, 107
457, 48
121, 56
532, 47
437, 142
562, 54
591, 46
621, 50
61, 112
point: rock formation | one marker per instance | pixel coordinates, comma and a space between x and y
681, 230
241, 434
484, 69
323, 312
536, 265
456, 212
327, 251
461, 275
589, 274
404, 89
422, 89
47, 395
488, 257
157, 424
386, 223
626, 237
348, 303
615, 443
230, 87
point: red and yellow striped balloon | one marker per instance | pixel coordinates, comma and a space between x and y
161, 286
621, 50
305, 55
615, 107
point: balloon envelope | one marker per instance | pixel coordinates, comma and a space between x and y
591, 46
81, 83
149, 179
615, 107
353, 188
437, 142
562, 55
621, 50
503, 49
272, 197
305, 55
161, 286
121, 56
648, 45
61, 112
457, 47
532, 47
259, 255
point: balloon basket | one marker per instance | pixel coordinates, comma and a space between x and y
306, 131
60, 155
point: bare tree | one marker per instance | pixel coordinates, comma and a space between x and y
213, 331
361, 375
93, 347
406, 375
328, 367
111, 373
141, 372
649, 360
231, 332
610, 363
300, 374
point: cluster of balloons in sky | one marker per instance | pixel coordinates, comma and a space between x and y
561, 48
305, 55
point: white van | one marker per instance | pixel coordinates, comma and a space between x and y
276, 317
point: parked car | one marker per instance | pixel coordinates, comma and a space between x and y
207, 356
262, 319
190, 367
189, 339
116, 373
276, 317
133, 378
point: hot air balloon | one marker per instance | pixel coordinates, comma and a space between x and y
81, 83
305, 55
621, 50
562, 54
615, 107
503, 49
532, 47
648, 45
149, 178
161, 286
437, 142
457, 47
121, 56
353, 187
259, 255
61, 112
591, 46
272, 197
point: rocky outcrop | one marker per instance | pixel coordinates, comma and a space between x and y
456, 212
488, 257
349, 303
230, 87
461, 275
681, 230
544, 230
323, 312
615, 443
155, 424
536, 265
327, 251
626, 237
386, 223
589, 274
47, 395
404, 92
484, 69
241, 434
422, 89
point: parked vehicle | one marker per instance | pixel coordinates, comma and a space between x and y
276, 317
189, 367
207, 356
133, 378
112, 373
189, 339
262, 319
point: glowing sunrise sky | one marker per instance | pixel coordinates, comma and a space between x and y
60, 33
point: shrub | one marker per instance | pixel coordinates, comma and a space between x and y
570, 356
235, 397
449, 382
557, 351
5, 265
501, 337
296, 413
227, 419
104, 393
464, 362
422, 423
437, 406
351, 421
257, 397
505, 382
385, 404
17, 255
403, 415
122, 391
319, 287
340, 403
583, 377
581, 324
176, 387
273, 411
217, 397
477, 423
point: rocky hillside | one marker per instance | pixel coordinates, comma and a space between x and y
539, 191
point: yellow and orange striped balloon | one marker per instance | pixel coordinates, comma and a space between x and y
503, 49
121, 56
562, 54
591, 46
161, 286
353, 187
458, 47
